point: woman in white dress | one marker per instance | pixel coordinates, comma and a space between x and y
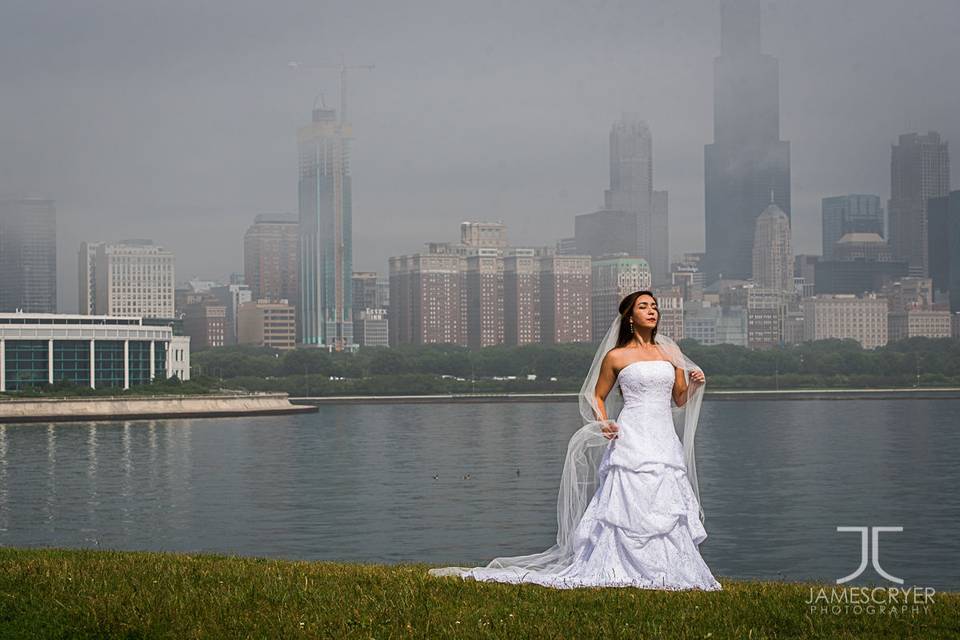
628, 511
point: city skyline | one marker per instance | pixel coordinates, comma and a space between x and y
523, 141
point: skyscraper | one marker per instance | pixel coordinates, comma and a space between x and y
521, 296
772, 251
129, 278
28, 255
944, 247
87, 271
634, 217
660, 238
605, 232
326, 249
270, 257
919, 170
854, 213
747, 159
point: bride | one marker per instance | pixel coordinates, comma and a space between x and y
628, 511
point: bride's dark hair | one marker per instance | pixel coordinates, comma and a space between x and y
626, 307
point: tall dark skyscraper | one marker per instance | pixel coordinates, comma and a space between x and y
943, 247
747, 160
919, 170
28, 255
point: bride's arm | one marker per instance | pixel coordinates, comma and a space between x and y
605, 382
680, 384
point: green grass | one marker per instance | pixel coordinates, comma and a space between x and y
54, 593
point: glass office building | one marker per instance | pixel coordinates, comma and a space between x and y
94, 351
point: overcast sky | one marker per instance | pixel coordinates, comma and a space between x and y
177, 120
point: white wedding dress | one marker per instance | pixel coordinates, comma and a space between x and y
641, 527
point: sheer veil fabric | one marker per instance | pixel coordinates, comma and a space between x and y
585, 449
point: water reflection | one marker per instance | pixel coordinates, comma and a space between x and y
465, 483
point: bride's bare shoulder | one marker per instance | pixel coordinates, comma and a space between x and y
614, 357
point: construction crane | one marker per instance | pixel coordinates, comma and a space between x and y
343, 67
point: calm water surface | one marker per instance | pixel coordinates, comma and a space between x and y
356, 483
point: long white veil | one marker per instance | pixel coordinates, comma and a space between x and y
586, 447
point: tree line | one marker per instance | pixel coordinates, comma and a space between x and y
436, 368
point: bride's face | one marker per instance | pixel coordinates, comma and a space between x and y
645, 312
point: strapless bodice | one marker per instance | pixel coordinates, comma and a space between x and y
647, 382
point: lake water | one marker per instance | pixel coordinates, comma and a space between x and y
356, 483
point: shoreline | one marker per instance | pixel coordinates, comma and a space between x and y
109, 408
930, 393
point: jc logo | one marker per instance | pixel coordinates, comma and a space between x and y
874, 557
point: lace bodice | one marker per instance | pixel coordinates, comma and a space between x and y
648, 382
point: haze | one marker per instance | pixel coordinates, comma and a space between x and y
177, 121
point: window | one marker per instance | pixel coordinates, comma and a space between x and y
71, 361
26, 363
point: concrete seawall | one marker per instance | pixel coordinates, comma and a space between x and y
932, 393
155, 407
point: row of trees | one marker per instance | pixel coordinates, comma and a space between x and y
834, 363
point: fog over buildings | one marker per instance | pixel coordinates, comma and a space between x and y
178, 121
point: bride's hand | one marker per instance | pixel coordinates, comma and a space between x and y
697, 376
610, 430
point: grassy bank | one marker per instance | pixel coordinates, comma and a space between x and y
104, 594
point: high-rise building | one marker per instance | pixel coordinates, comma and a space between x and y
854, 213
861, 262
660, 238
565, 299
366, 291
484, 294
28, 255
772, 251
521, 296
631, 179
613, 278
605, 232
428, 297
634, 220
919, 170
747, 160
326, 247
953, 251
87, 271
943, 217
270, 257
131, 278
